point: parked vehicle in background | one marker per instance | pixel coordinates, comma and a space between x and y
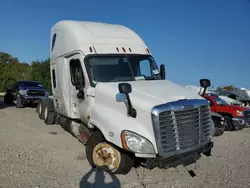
219, 121
230, 101
233, 115
109, 93
28, 92
238, 95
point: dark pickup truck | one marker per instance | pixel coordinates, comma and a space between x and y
26, 92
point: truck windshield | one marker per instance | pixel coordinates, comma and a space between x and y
115, 68
220, 101
30, 84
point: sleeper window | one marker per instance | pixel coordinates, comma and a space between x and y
53, 42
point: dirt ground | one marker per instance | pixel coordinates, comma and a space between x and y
33, 155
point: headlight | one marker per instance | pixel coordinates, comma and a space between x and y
222, 120
136, 143
22, 92
239, 113
46, 93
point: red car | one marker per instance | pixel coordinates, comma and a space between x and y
234, 116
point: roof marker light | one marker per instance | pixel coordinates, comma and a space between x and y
130, 49
90, 49
147, 50
117, 49
123, 49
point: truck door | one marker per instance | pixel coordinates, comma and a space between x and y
78, 100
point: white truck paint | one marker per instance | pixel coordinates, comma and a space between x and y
98, 113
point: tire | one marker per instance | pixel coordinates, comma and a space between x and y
218, 131
38, 106
49, 115
40, 110
228, 124
96, 142
19, 102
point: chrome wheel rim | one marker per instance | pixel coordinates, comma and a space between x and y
45, 112
106, 156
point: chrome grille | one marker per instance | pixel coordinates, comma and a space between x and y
246, 114
182, 129
35, 93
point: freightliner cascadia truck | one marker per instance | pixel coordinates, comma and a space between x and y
109, 93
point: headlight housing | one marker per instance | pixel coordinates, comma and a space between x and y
22, 92
239, 113
136, 143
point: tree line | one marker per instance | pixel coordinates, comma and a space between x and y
12, 70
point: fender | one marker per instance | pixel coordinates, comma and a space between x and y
112, 122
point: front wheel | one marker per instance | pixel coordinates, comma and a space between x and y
19, 102
228, 124
105, 157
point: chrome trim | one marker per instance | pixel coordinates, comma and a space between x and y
238, 122
142, 155
175, 107
246, 115
183, 104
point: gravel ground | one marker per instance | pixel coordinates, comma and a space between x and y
33, 155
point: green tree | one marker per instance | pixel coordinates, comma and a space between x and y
228, 87
40, 71
11, 70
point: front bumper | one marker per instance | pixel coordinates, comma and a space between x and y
238, 123
33, 98
184, 158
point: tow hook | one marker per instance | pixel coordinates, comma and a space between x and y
207, 151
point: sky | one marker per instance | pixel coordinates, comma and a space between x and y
194, 38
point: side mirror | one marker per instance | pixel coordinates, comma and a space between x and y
204, 83
162, 71
125, 88
80, 95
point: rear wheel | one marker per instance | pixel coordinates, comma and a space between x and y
40, 110
228, 124
48, 115
105, 157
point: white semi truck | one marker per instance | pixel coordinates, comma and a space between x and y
109, 93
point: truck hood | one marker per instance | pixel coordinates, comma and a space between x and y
147, 94
33, 88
